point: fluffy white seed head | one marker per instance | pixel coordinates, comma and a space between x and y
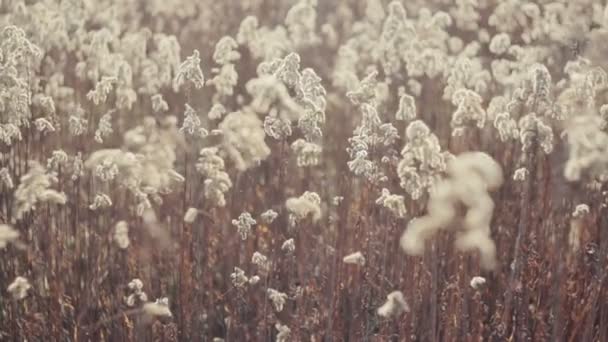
521, 174
284, 333
407, 108
261, 261
7, 235
500, 43
355, 258
190, 71
277, 298
190, 215
288, 246
238, 277
301, 207
19, 287
394, 203
121, 234
471, 176
244, 224
160, 308
395, 305
580, 210
269, 216
477, 282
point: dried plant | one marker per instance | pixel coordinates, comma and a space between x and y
18, 288
356, 258
395, 305
471, 176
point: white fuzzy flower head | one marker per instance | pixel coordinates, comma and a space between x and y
498, 104
395, 304
7, 235
102, 89
19, 287
104, 128
541, 86
238, 277
261, 261
469, 110
531, 127
367, 136
284, 332
225, 51
604, 115
301, 207
307, 153
366, 90
277, 127
471, 176
414, 87
192, 123
580, 211
521, 174
356, 258
190, 71
248, 33
394, 203
422, 161
254, 280
101, 201
301, 21
137, 294
125, 98
58, 158
34, 187
159, 105
160, 308
211, 165
244, 224
6, 179
288, 246
277, 298
225, 79
455, 44
477, 282
121, 234
374, 11
269, 216
9, 133
500, 43
506, 126
136, 285
106, 170
243, 139
389, 134
216, 112
44, 125
407, 108
588, 147
360, 165
271, 93
77, 123
77, 167
45, 103
190, 215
